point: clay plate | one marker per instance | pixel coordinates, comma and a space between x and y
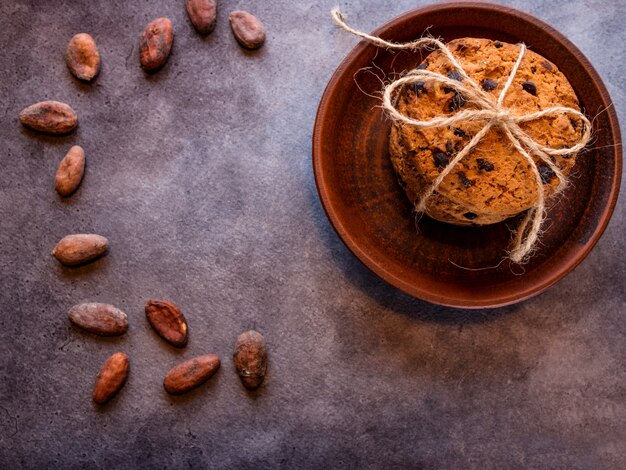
374, 218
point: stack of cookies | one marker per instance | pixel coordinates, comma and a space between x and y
494, 182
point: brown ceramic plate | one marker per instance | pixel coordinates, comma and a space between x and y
374, 218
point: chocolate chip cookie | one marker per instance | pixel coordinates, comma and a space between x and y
494, 181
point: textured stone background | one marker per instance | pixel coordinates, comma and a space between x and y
201, 178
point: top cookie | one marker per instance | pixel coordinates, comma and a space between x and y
494, 181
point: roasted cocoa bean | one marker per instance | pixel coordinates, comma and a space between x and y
51, 117
70, 172
156, 44
248, 29
111, 378
168, 321
203, 14
82, 57
191, 374
100, 319
250, 359
80, 248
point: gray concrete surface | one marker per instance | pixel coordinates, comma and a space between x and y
201, 178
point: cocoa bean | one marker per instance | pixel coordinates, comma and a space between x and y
80, 248
82, 57
156, 44
248, 29
168, 321
52, 117
250, 359
203, 14
191, 374
100, 319
70, 172
111, 378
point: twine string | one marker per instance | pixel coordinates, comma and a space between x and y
487, 110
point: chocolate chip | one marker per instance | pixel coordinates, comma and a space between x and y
455, 75
470, 215
530, 87
465, 181
489, 85
546, 173
422, 66
459, 132
441, 159
484, 165
498, 44
547, 65
533, 69
418, 88
449, 147
458, 101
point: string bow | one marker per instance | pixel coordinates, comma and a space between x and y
485, 109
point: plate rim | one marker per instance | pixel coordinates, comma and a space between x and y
408, 288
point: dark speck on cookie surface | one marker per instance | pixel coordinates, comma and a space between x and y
455, 75
470, 215
465, 181
546, 173
441, 159
489, 85
484, 165
530, 87
459, 132
457, 102
418, 88
546, 65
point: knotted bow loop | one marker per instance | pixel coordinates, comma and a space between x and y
492, 113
